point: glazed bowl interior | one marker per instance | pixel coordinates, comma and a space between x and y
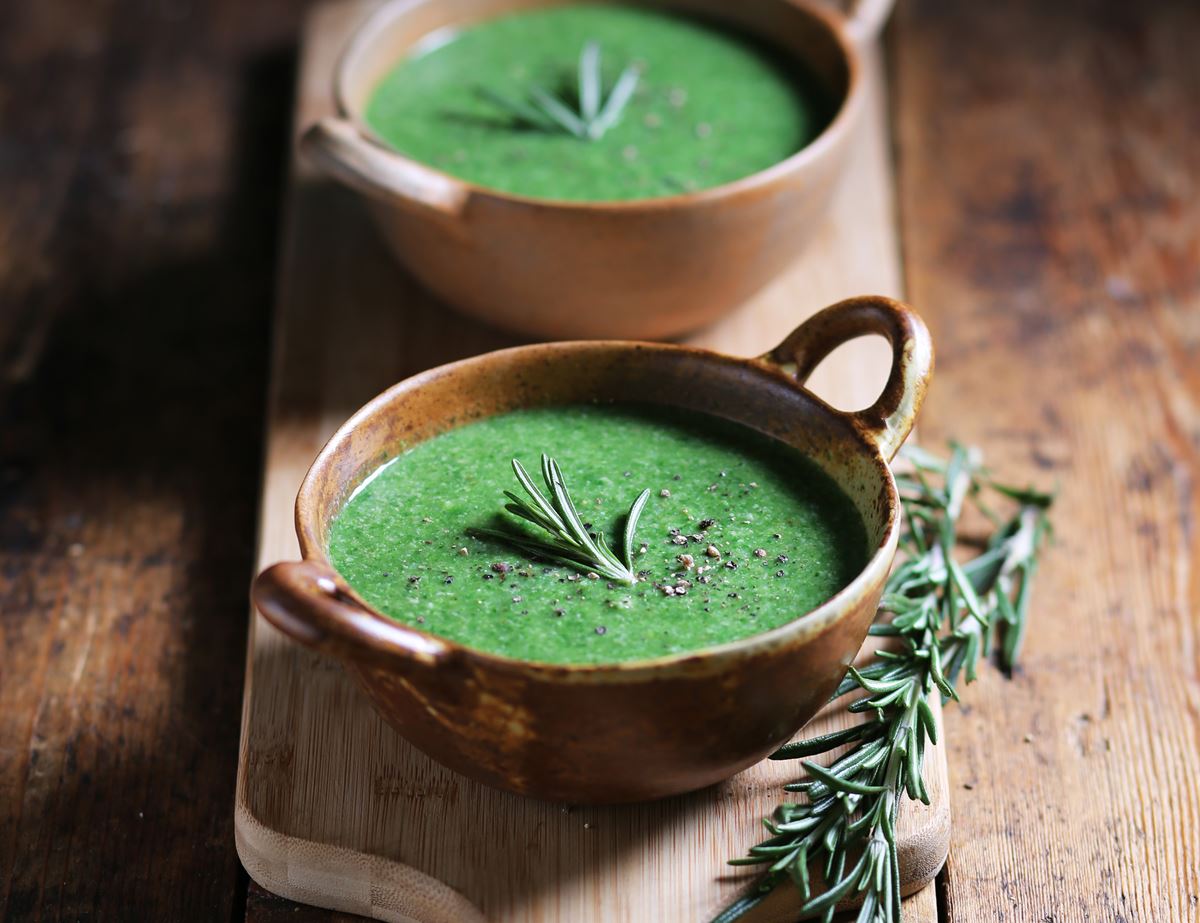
400, 29
744, 391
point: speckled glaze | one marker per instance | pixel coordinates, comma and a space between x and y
567, 269
636, 730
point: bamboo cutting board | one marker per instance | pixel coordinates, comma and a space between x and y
332, 807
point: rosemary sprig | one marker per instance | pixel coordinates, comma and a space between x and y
593, 116
570, 541
942, 616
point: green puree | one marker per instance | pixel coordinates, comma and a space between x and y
711, 106
398, 541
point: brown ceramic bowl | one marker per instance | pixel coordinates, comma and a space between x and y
634, 730
646, 269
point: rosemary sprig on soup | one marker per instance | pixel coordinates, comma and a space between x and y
590, 118
572, 541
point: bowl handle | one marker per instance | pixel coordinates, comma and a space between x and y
887, 422
342, 151
309, 603
867, 19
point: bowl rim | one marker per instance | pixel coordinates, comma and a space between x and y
380, 19
797, 630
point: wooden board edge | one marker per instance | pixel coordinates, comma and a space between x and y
349, 881
346, 880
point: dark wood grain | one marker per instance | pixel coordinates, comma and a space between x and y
1049, 174
140, 172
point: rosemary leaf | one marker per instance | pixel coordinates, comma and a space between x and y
519, 111
824, 743
840, 783
631, 522
543, 504
618, 99
558, 112
589, 81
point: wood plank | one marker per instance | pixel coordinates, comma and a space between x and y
333, 808
136, 251
1049, 177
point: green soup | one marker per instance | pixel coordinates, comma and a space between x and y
711, 106
787, 537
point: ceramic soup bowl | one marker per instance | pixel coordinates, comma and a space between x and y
639, 729
558, 269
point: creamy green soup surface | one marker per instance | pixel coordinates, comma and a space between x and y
784, 536
711, 106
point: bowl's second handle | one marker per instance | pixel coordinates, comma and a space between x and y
888, 421
866, 19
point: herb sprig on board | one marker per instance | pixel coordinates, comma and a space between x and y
589, 116
571, 540
941, 616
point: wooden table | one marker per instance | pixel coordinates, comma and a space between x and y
1049, 173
